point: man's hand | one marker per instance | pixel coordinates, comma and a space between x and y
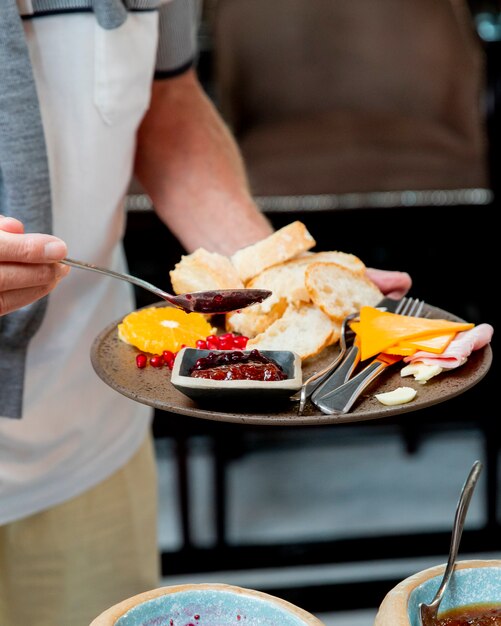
29, 267
392, 284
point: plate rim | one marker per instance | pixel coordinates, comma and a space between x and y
191, 409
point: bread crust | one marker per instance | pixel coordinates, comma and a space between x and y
282, 245
338, 291
203, 270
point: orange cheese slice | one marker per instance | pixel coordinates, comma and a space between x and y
400, 350
408, 347
378, 330
436, 344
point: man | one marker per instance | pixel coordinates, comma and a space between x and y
77, 472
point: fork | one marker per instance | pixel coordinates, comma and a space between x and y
342, 398
316, 379
346, 360
346, 366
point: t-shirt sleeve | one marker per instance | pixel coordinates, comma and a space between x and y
177, 42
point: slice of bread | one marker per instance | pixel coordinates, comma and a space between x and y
334, 256
253, 320
286, 281
282, 245
202, 270
338, 291
305, 330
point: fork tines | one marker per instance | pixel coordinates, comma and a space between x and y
412, 307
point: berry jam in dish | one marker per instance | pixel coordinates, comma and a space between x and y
239, 376
237, 365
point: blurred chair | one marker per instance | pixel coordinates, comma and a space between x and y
338, 97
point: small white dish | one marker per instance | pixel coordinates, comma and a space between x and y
204, 389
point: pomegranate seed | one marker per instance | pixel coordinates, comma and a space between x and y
213, 345
141, 361
212, 339
167, 355
201, 344
240, 341
225, 337
157, 360
226, 344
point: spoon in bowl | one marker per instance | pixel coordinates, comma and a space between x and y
427, 613
209, 302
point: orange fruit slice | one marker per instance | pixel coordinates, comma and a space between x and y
156, 329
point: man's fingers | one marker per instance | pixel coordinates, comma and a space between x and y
23, 284
392, 284
27, 275
11, 225
30, 248
12, 300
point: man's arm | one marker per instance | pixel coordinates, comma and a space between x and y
189, 164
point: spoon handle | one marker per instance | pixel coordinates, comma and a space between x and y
459, 519
125, 277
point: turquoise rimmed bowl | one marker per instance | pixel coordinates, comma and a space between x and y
473, 582
205, 605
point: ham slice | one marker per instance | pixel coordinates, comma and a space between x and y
459, 349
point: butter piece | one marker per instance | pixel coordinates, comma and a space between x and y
401, 395
421, 371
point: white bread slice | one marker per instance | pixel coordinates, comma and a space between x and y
203, 270
252, 320
338, 291
282, 245
334, 256
305, 330
286, 281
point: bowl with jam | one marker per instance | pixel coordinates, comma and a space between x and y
472, 598
205, 604
246, 375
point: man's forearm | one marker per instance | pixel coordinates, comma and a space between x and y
189, 164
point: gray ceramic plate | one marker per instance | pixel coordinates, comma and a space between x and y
114, 363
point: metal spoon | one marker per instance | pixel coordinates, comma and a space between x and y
428, 612
214, 301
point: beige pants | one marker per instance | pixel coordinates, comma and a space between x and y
64, 566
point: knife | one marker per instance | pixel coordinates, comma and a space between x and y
341, 399
345, 368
